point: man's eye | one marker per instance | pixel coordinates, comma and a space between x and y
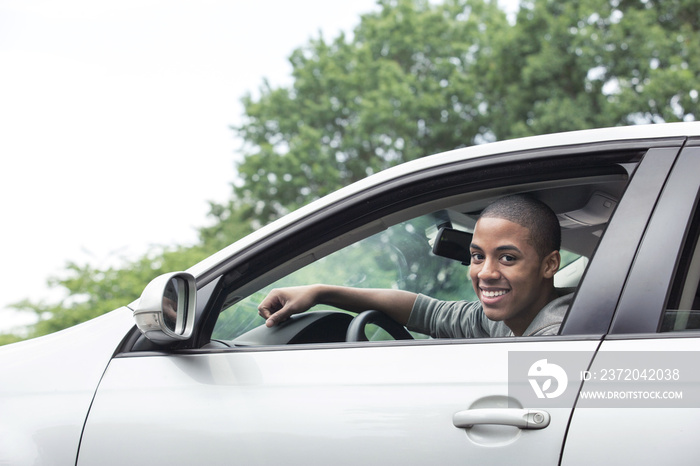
507, 258
477, 257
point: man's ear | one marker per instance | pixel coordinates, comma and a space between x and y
550, 264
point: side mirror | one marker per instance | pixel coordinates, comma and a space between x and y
453, 244
165, 313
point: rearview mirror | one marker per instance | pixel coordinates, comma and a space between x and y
453, 244
165, 313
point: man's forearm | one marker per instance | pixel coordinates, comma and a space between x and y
397, 304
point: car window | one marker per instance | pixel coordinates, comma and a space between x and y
399, 257
390, 246
683, 311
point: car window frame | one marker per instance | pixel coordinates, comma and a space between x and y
646, 294
605, 278
357, 211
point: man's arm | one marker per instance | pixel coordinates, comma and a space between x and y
284, 302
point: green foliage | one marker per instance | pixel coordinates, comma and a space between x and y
231, 222
6, 339
418, 77
93, 292
592, 63
400, 89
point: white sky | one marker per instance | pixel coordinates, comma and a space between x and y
115, 115
114, 121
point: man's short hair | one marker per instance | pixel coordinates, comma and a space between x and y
535, 215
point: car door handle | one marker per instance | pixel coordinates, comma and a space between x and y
522, 418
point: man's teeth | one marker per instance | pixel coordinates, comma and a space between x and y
493, 294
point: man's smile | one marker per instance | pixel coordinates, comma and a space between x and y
493, 293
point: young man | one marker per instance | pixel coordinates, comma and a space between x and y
514, 256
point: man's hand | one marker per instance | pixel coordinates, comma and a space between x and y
281, 303
284, 302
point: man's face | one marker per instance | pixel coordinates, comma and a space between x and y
510, 278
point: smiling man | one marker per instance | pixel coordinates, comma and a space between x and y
514, 256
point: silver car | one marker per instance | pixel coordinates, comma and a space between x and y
188, 374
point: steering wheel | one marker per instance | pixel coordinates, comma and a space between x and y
356, 329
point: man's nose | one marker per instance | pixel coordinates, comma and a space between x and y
489, 270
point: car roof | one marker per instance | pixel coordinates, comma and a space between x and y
565, 139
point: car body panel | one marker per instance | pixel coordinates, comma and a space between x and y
361, 404
47, 387
652, 435
637, 435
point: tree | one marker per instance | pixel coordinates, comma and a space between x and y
401, 88
231, 221
654, 60
419, 77
592, 63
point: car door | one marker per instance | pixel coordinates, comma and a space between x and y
476, 401
647, 367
